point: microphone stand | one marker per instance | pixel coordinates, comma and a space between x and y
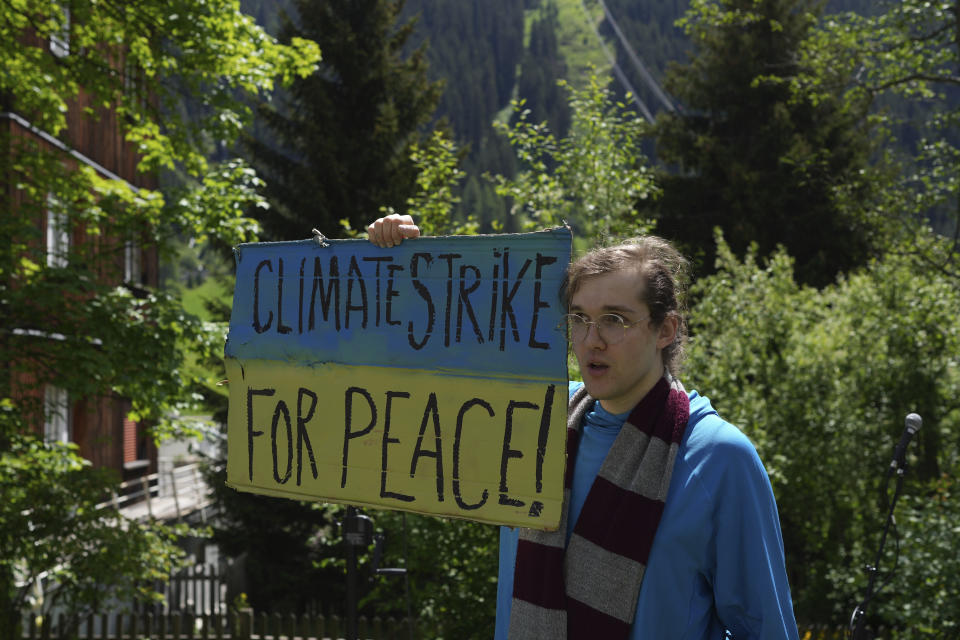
357, 531
858, 619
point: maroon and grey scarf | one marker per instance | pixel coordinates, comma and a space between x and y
589, 587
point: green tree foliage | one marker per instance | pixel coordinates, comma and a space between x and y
897, 67
591, 178
753, 157
821, 381
908, 54
337, 145
66, 322
928, 569
52, 531
110, 333
452, 568
434, 204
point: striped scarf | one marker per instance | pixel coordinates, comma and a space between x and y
588, 588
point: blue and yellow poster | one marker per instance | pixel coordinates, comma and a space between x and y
427, 377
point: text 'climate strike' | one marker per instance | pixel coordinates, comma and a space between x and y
373, 288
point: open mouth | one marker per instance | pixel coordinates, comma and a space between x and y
597, 367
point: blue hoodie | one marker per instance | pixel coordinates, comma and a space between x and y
717, 561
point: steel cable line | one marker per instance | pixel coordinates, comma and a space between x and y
618, 72
635, 59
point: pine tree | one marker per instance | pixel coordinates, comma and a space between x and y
540, 70
749, 155
336, 146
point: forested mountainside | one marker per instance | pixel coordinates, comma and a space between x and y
487, 52
475, 48
480, 51
649, 28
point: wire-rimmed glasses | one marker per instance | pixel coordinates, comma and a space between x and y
610, 327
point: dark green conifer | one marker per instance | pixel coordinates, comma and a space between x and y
336, 146
750, 156
540, 70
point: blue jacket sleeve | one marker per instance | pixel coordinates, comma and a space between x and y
751, 592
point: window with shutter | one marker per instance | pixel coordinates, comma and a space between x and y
56, 414
60, 40
58, 233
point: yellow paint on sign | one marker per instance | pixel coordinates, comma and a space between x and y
470, 447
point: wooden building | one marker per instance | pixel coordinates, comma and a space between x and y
98, 425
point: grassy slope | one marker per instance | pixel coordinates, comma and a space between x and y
211, 288
578, 40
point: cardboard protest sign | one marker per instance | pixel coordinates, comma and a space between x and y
428, 377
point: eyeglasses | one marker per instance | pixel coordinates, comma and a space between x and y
610, 327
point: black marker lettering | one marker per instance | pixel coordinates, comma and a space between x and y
302, 437
392, 293
281, 328
510, 453
325, 298
507, 306
493, 296
456, 454
355, 269
449, 257
542, 436
257, 326
348, 435
384, 444
281, 408
464, 300
378, 260
303, 262
436, 454
251, 432
425, 294
538, 304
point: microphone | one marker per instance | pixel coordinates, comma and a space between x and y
913, 423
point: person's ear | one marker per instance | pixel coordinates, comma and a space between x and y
668, 331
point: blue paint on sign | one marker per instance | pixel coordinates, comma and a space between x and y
480, 304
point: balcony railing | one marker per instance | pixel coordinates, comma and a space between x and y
169, 495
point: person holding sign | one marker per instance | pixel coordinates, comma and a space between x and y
669, 525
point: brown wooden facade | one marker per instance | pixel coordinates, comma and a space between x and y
98, 425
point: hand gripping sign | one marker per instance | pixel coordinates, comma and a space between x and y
427, 377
